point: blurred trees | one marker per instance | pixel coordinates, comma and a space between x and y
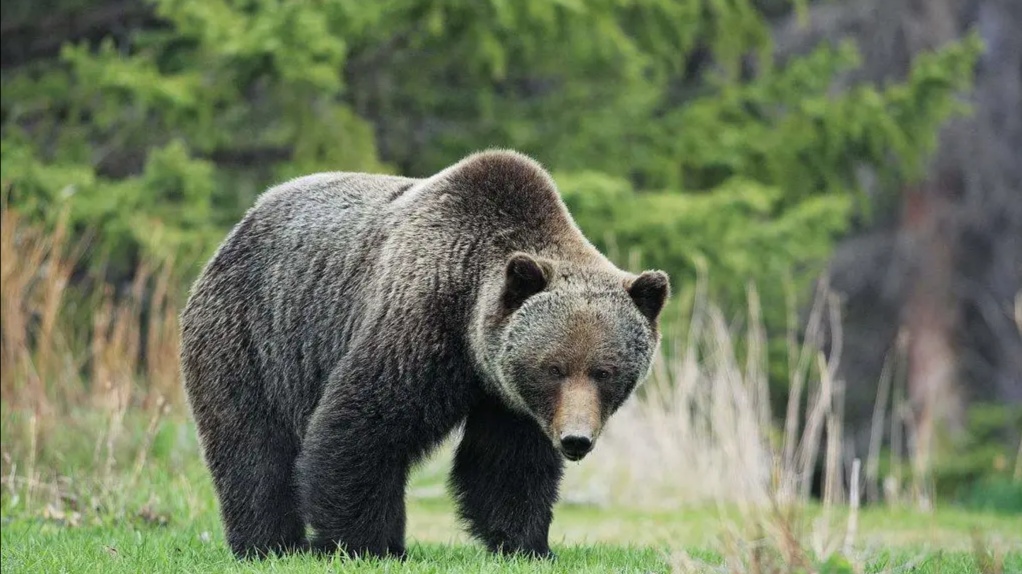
937, 277
669, 125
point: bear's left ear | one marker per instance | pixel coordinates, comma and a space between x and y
649, 291
524, 276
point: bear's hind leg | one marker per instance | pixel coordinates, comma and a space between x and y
252, 466
505, 478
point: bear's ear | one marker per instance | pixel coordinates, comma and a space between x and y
649, 291
524, 276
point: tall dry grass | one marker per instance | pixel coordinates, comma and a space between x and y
55, 374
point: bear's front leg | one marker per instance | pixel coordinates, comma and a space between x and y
505, 478
351, 477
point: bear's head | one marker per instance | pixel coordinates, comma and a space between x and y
567, 343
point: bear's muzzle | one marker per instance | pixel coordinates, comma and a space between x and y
577, 421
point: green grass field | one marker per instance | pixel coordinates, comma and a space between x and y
586, 540
164, 520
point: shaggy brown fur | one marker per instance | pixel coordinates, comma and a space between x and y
350, 322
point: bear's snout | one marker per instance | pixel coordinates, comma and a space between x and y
577, 420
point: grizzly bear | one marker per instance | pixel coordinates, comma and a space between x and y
350, 322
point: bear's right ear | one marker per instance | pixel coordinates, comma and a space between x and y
649, 291
524, 276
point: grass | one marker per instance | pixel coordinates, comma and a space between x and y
586, 539
167, 522
101, 470
113, 550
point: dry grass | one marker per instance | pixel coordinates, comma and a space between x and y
124, 365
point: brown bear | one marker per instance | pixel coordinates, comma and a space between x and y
350, 322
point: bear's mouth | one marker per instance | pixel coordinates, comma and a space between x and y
573, 457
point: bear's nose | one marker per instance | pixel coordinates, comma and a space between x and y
575, 446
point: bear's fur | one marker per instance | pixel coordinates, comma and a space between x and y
350, 322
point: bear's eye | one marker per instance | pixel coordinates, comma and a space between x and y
602, 374
555, 371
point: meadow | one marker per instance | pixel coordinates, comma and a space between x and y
167, 522
164, 519
102, 471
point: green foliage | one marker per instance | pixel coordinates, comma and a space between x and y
164, 211
976, 468
158, 143
671, 130
740, 232
994, 494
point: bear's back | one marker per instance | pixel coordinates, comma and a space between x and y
294, 235
329, 195
288, 279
